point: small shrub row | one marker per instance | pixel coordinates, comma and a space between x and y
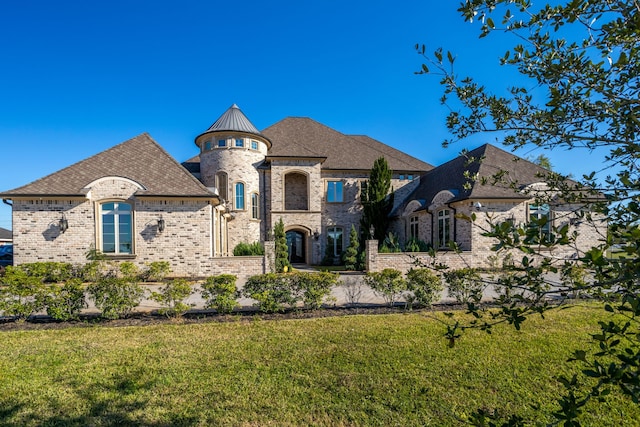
274, 292
422, 286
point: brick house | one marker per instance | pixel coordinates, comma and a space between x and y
135, 202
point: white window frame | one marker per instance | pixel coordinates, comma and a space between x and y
118, 214
444, 227
332, 234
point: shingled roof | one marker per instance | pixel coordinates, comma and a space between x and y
5, 235
304, 137
483, 162
139, 159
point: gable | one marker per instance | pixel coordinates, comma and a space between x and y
140, 160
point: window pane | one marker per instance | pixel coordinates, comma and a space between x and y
124, 233
334, 191
239, 142
255, 213
254, 145
108, 233
222, 143
239, 190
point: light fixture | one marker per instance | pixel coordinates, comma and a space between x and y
477, 206
316, 234
371, 230
63, 224
160, 225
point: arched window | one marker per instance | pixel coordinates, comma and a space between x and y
116, 228
255, 207
239, 196
444, 228
413, 227
221, 185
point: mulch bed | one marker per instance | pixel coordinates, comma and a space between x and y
202, 316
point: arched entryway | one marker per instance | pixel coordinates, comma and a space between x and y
296, 241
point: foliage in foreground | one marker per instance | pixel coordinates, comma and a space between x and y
115, 297
172, 297
580, 61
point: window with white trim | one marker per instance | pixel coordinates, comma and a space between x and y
413, 227
239, 196
239, 142
255, 207
116, 228
540, 216
254, 145
444, 228
222, 143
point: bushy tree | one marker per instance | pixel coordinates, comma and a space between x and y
377, 201
220, 293
581, 63
387, 283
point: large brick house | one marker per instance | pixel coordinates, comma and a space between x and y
135, 202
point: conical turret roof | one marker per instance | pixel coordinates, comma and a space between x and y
233, 120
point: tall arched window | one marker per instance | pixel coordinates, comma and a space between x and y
255, 207
221, 185
444, 228
116, 228
239, 196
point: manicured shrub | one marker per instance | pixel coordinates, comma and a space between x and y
129, 270
465, 285
350, 256
115, 297
49, 272
220, 293
65, 301
91, 271
172, 297
387, 283
425, 286
156, 271
21, 294
312, 288
272, 291
248, 249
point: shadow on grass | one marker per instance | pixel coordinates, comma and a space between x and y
115, 401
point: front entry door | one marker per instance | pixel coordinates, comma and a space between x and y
295, 242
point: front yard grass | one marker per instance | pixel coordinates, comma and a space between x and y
358, 370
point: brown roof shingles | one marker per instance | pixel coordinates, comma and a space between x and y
139, 159
458, 175
304, 137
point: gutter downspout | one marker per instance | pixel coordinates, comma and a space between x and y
7, 202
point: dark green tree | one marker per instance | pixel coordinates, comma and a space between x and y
350, 257
580, 60
377, 201
282, 250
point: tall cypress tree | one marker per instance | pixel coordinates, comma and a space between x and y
377, 201
282, 250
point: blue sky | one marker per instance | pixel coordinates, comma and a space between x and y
79, 77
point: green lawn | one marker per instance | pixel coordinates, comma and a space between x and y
341, 371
